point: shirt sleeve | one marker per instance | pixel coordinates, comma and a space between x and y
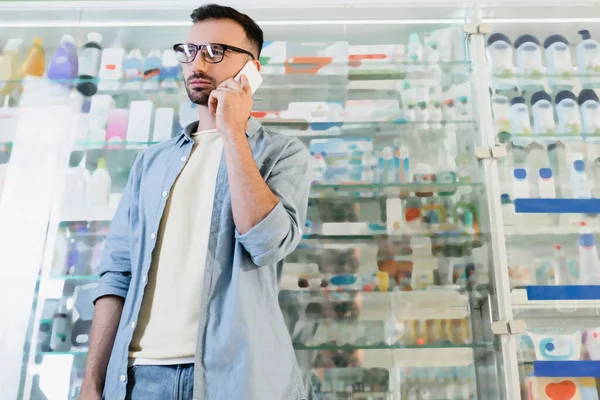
278, 234
115, 267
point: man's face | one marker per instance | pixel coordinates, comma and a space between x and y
201, 77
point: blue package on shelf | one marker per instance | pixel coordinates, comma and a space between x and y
565, 292
567, 369
557, 206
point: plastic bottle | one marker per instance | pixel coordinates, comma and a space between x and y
580, 187
446, 171
501, 112
547, 189
508, 209
75, 185
133, 70
588, 59
152, 65
169, 73
83, 251
60, 327
414, 48
111, 67
500, 55
64, 65
423, 176
90, 57
589, 108
319, 167
35, 60
589, 264
529, 63
61, 249
569, 120
520, 188
543, 114
10, 67
561, 267
558, 61
99, 185
520, 120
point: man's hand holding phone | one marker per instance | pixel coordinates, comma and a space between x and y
231, 103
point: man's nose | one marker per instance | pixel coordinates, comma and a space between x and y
200, 65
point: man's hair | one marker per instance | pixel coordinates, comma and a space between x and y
215, 11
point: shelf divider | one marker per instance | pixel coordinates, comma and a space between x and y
564, 292
557, 206
567, 369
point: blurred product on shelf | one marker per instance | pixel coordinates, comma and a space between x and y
133, 70
90, 57
10, 67
34, 63
530, 70
99, 185
588, 58
64, 66
561, 71
111, 68
152, 66
589, 264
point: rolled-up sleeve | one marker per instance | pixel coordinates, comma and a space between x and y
115, 267
278, 234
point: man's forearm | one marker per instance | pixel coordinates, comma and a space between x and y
107, 314
251, 198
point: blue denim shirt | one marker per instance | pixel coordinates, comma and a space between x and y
244, 350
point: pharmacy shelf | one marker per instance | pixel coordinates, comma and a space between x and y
520, 300
320, 190
66, 278
546, 233
396, 346
567, 369
424, 356
557, 206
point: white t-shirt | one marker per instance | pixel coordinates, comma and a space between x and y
167, 328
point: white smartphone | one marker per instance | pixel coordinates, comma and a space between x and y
252, 74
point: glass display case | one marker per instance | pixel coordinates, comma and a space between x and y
451, 215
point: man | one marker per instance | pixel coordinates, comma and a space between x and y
187, 300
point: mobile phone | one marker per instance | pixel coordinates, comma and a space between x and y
252, 74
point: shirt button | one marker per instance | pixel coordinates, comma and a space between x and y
165, 193
133, 325
183, 158
144, 279
122, 378
153, 236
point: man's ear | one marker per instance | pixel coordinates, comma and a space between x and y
257, 64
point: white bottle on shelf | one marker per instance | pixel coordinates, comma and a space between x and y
520, 189
588, 59
558, 60
163, 124
567, 110
580, 187
547, 189
561, 267
589, 264
111, 68
76, 186
141, 114
500, 55
589, 108
520, 121
530, 68
543, 114
99, 185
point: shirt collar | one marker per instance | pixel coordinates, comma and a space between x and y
253, 127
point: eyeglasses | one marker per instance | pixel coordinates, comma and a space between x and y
212, 53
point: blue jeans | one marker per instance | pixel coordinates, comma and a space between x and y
160, 382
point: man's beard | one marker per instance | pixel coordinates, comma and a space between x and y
201, 95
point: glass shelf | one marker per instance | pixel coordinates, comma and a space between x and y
383, 346
324, 189
80, 278
557, 206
